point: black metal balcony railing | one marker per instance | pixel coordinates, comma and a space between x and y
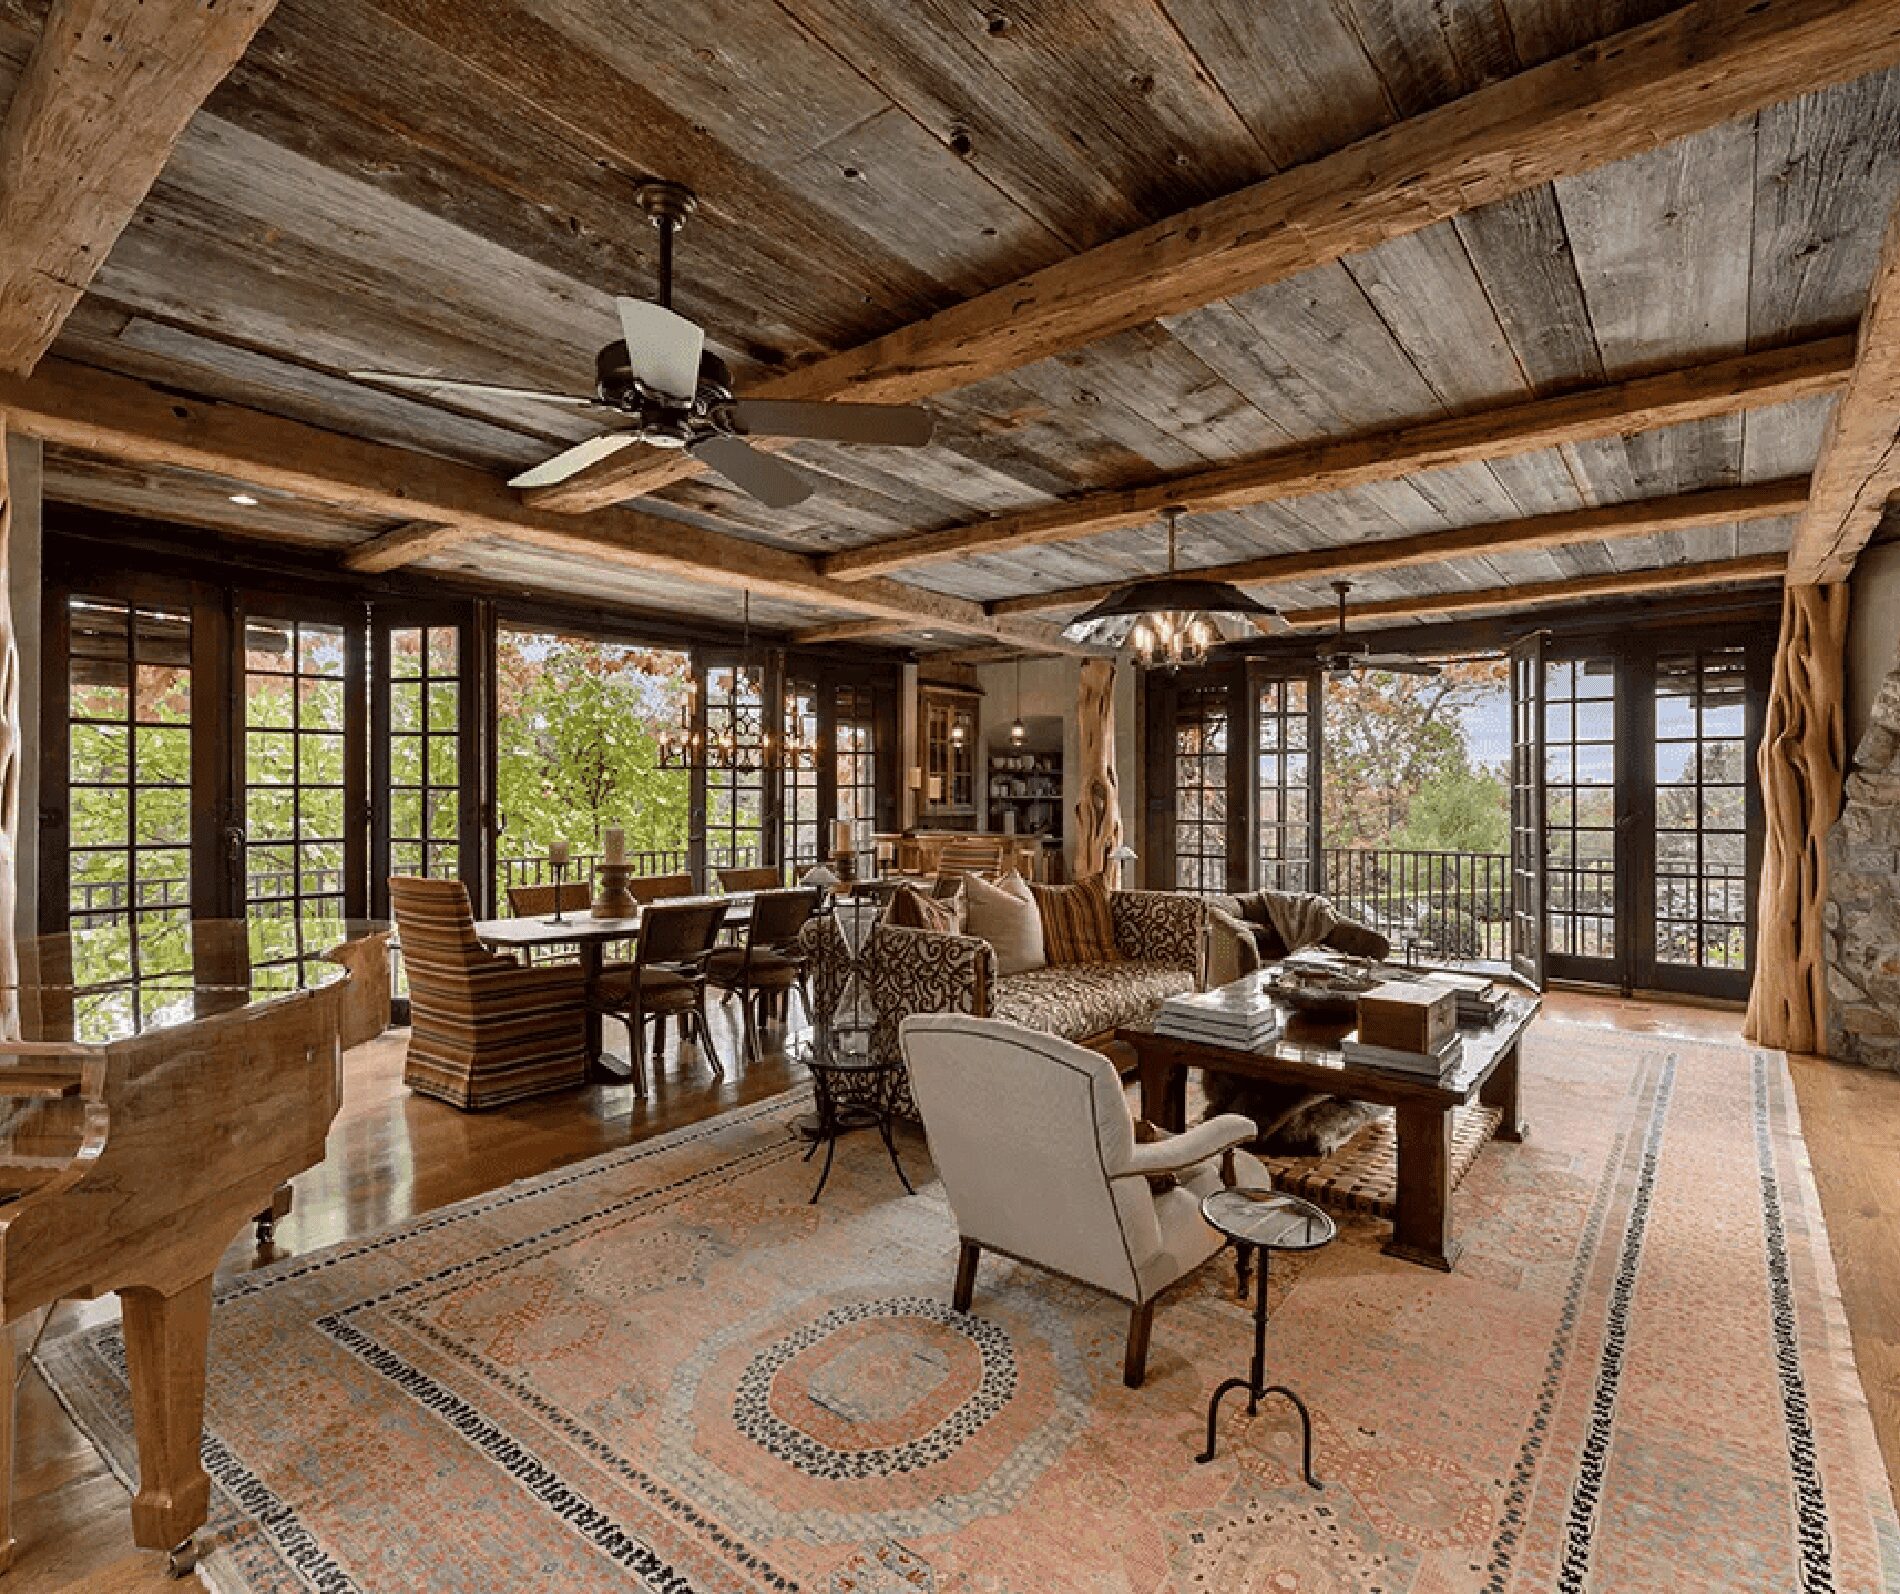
535, 870
1454, 906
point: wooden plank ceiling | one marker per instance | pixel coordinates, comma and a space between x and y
446, 186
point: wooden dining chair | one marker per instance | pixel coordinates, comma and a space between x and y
658, 887
769, 964
765, 879
666, 979
526, 902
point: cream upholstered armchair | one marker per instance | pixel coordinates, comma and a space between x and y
1032, 1138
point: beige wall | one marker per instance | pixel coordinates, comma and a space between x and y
1873, 633
1050, 688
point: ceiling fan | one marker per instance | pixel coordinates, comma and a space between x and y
658, 384
1342, 655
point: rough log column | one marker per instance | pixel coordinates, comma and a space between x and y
9, 762
1801, 768
1098, 813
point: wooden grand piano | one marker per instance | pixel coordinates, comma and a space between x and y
156, 1099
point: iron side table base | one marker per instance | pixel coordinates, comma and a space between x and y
1255, 1383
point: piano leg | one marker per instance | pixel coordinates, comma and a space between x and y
166, 1337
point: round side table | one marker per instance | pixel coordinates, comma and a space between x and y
1265, 1221
852, 1089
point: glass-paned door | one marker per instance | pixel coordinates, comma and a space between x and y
1286, 775
128, 790
803, 844
853, 736
1703, 901
1582, 938
1200, 789
301, 703
735, 767
1527, 810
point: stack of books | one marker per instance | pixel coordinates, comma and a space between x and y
1480, 1001
1407, 1027
1238, 1016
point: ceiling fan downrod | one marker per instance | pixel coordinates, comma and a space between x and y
667, 205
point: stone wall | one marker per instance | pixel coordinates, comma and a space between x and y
1863, 910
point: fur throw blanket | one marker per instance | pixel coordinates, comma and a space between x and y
1299, 918
1292, 1121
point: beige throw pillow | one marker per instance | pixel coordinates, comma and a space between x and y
1004, 913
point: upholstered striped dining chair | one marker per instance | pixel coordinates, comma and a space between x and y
483, 1029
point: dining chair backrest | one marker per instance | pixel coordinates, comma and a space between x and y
971, 857
657, 887
765, 879
678, 932
778, 916
526, 901
435, 928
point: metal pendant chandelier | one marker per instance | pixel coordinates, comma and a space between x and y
1172, 620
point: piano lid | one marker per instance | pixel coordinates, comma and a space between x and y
108, 981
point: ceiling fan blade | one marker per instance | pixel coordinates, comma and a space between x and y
570, 461
892, 425
443, 384
663, 347
774, 483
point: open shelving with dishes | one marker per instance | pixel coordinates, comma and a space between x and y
1025, 790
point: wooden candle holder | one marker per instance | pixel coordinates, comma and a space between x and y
612, 899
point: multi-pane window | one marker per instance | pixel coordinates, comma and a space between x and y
803, 847
129, 775
1200, 790
1701, 809
1282, 786
425, 717
735, 768
1580, 808
295, 705
857, 763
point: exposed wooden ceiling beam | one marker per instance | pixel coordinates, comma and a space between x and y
126, 419
1696, 67
1021, 637
841, 631
1859, 465
1636, 404
1716, 506
104, 97
1620, 583
403, 545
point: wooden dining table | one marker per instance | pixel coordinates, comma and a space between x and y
590, 937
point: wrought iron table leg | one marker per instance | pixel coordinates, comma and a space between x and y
1256, 1383
831, 1148
890, 1145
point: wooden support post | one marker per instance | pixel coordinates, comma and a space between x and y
9, 764
1098, 815
1802, 769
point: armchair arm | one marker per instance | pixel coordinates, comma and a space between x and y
923, 971
1203, 1143
1231, 949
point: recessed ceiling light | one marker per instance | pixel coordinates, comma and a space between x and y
243, 498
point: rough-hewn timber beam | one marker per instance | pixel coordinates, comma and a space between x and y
1638, 404
105, 95
403, 545
126, 419
1621, 583
1021, 637
1859, 465
1697, 67
1717, 506
813, 636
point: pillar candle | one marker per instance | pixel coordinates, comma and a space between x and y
841, 835
557, 852
616, 844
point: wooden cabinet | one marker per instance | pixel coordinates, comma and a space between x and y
949, 724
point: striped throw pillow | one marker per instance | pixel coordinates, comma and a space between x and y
1077, 924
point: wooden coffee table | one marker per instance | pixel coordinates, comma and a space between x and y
1307, 1053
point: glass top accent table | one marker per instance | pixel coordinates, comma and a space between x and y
1265, 1221
853, 1088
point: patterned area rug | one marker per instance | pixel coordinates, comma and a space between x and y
662, 1370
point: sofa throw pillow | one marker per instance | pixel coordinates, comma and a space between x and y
1078, 926
1004, 914
911, 909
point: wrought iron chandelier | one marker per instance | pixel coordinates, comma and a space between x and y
1170, 620
743, 743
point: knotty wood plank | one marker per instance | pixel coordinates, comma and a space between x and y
1728, 572
1697, 68
1636, 405
1859, 467
1599, 523
92, 122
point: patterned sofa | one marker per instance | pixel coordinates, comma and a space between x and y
1158, 933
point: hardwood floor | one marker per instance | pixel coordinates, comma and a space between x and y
393, 1155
